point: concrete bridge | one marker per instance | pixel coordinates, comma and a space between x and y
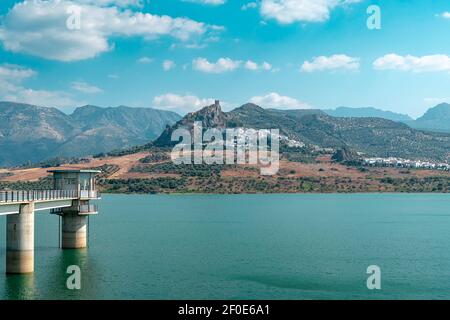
69, 199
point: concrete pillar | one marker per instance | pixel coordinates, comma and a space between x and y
74, 230
20, 240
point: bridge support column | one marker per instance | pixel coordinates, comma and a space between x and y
74, 230
20, 240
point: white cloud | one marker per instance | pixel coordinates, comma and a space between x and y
208, 2
168, 65
275, 100
250, 5
290, 11
226, 64
251, 65
430, 63
220, 66
85, 87
14, 72
39, 28
181, 103
11, 89
145, 60
445, 15
334, 62
118, 3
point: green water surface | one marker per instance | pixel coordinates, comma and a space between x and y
247, 247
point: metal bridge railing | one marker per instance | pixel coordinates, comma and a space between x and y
36, 195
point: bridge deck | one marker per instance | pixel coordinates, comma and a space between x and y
10, 201
23, 196
7, 197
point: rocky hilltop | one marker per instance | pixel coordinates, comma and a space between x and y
370, 136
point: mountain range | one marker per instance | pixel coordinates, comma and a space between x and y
435, 119
345, 112
30, 133
371, 136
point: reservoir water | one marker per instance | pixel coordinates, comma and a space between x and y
247, 247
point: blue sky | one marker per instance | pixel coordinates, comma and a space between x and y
179, 55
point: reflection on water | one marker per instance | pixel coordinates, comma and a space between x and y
57, 270
20, 287
77, 257
50, 277
27, 286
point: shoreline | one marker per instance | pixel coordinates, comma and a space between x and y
272, 193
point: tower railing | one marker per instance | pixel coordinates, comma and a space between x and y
89, 194
87, 208
81, 209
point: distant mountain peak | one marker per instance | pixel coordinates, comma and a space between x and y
19, 105
250, 106
88, 107
32, 133
438, 112
367, 112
